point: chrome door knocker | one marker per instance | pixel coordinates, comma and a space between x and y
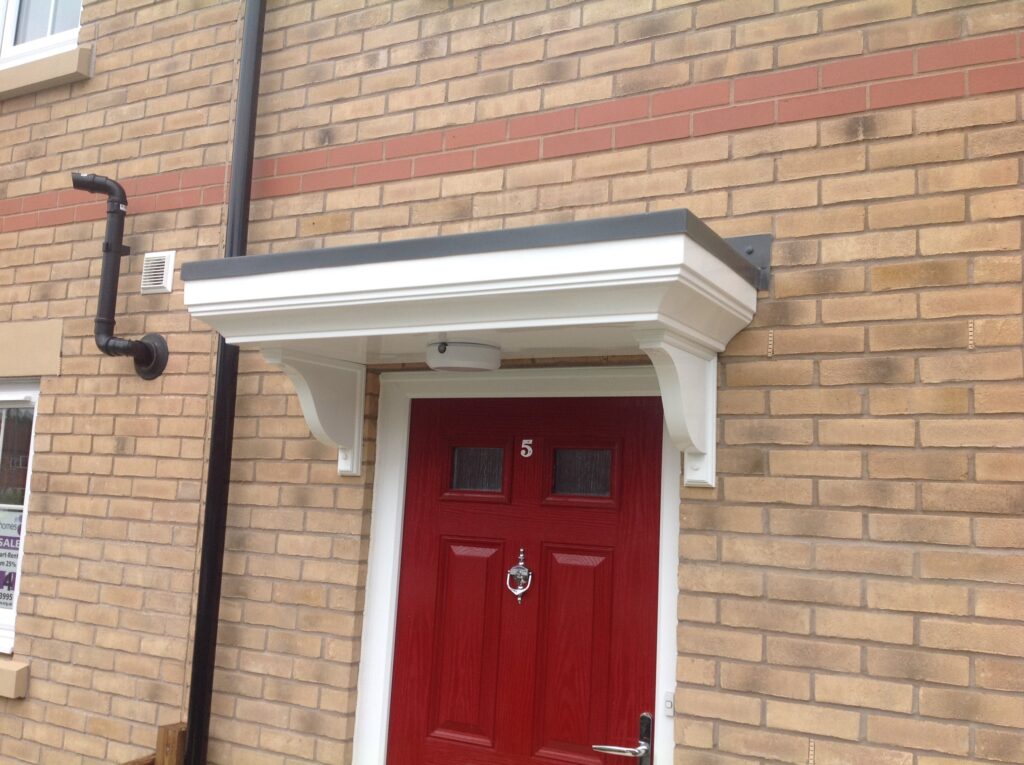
519, 577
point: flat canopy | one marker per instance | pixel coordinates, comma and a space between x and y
662, 283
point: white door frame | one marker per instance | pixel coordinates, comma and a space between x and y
397, 390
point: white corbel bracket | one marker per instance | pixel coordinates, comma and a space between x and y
332, 395
688, 378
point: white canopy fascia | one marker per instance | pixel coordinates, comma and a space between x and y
643, 284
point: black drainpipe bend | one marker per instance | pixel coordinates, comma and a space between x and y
150, 353
218, 470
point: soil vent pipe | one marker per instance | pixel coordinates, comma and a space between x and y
150, 353
218, 467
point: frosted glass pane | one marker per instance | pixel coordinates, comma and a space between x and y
477, 468
586, 472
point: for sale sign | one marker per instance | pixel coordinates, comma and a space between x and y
10, 543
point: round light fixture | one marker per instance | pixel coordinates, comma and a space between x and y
463, 357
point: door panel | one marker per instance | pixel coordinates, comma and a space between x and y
465, 658
480, 679
573, 652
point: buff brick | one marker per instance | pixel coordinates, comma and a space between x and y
917, 665
765, 616
897, 183
999, 398
781, 196
769, 373
998, 603
976, 498
813, 653
785, 314
996, 365
736, 173
713, 578
919, 734
999, 433
935, 273
999, 639
902, 401
769, 431
875, 370
816, 462
962, 113
862, 127
988, 708
999, 674
874, 559
923, 598
1000, 745
994, 332
836, 753
861, 493
997, 204
864, 692
757, 742
813, 719
727, 643
931, 465
999, 268
917, 212
833, 220
844, 401
870, 308
820, 281
919, 150
968, 175
765, 680
973, 237
919, 336
737, 518
868, 432
995, 142
815, 523
820, 47
980, 566
771, 140
869, 247
787, 553
720, 706
999, 467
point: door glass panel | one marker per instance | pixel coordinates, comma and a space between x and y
586, 472
477, 468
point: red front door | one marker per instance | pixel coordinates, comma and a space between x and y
480, 678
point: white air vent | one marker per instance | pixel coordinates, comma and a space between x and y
157, 272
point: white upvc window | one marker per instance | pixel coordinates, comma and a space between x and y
33, 29
17, 428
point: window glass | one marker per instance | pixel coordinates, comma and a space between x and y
33, 21
67, 15
477, 468
17, 410
583, 472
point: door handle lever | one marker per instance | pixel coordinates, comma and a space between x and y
640, 750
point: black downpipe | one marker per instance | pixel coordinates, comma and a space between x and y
218, 471
150, 353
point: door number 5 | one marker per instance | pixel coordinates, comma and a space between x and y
526, 448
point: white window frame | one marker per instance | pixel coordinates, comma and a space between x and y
16, 393
33, 50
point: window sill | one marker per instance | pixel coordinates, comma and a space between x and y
13, 679
55, 69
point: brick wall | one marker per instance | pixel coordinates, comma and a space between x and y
851, 588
